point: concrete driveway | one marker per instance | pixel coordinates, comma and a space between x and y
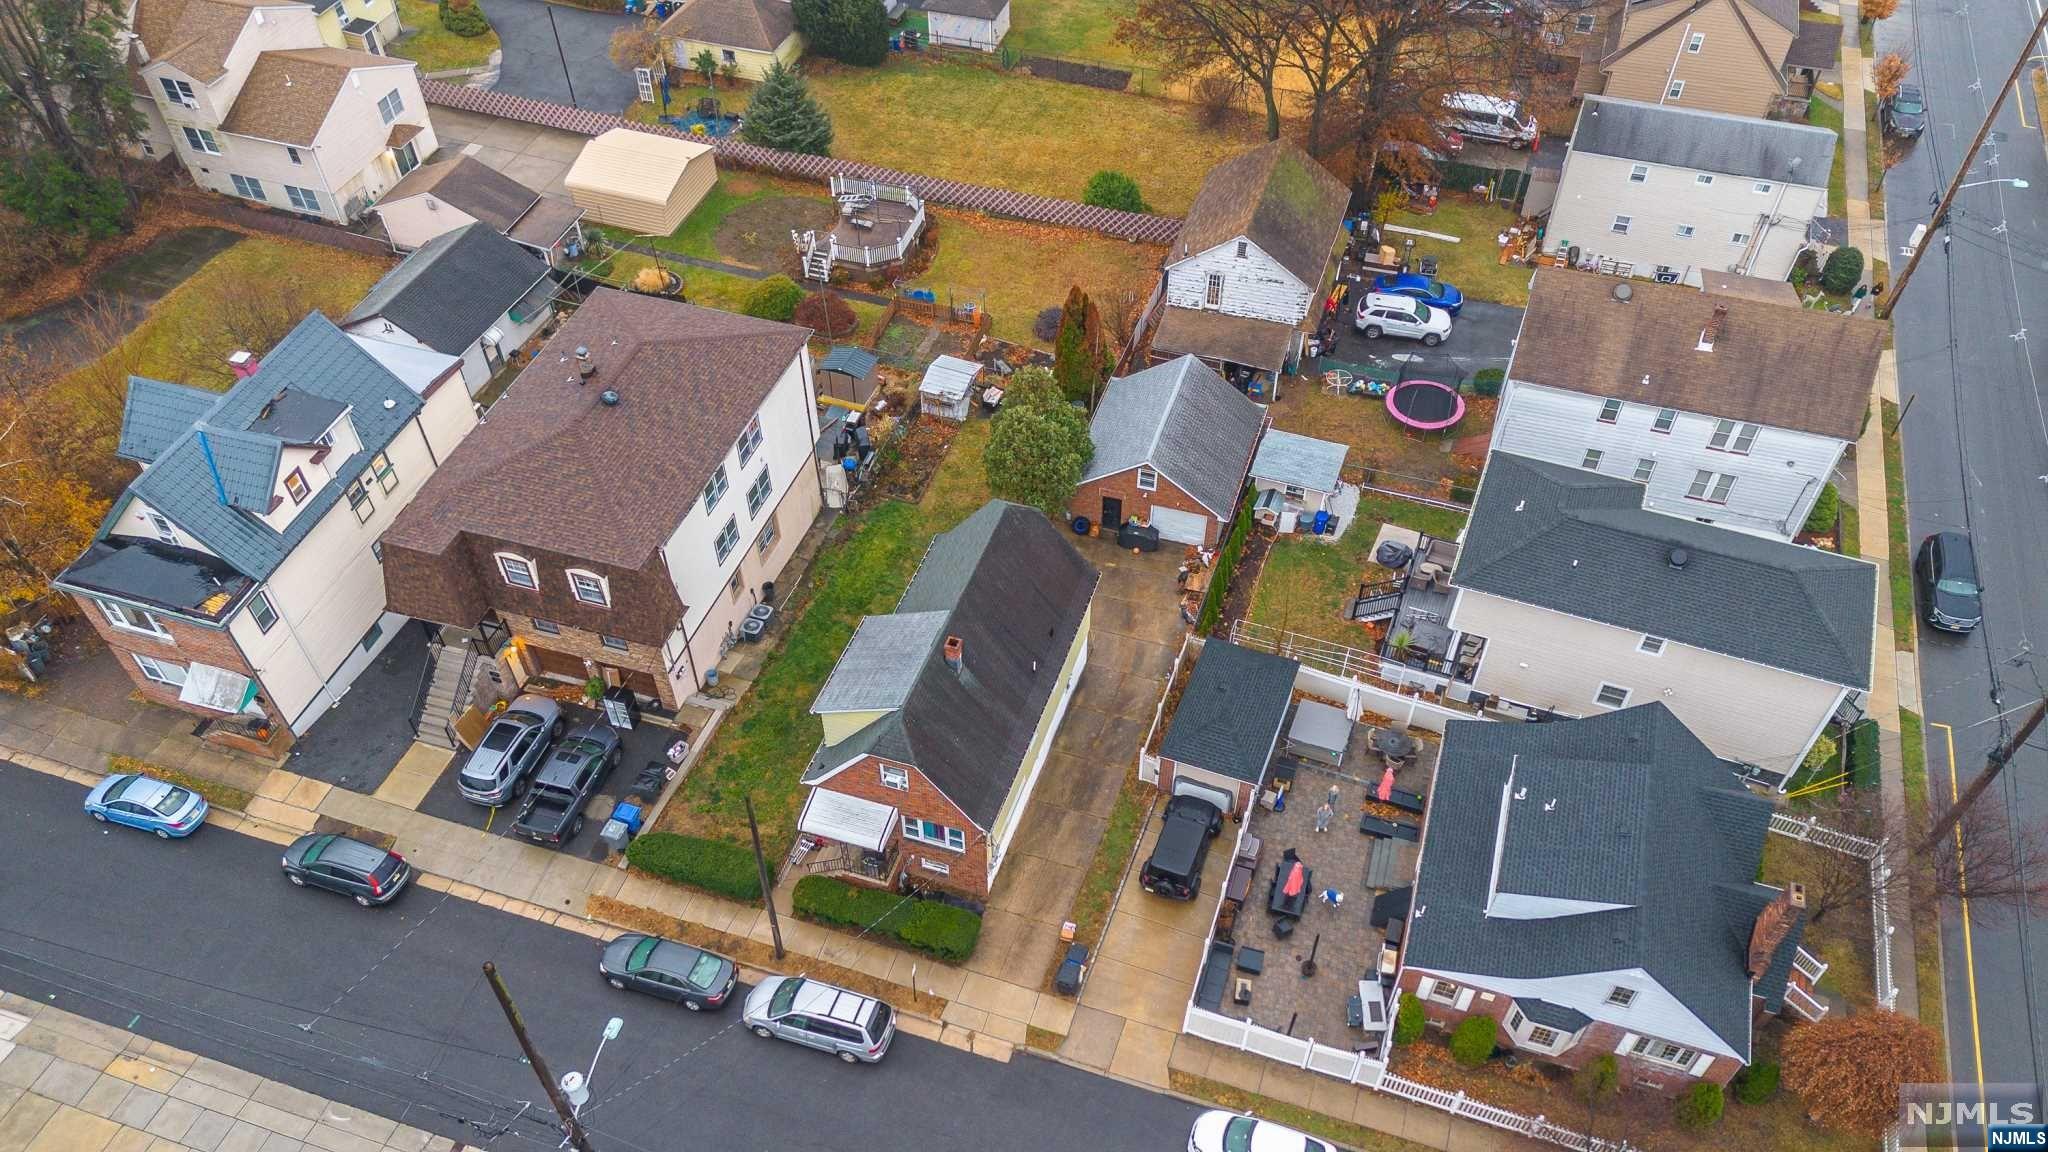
538, 37
536, 157
1483, 336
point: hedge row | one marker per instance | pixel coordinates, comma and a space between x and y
717, 866
1226, 567
936, 929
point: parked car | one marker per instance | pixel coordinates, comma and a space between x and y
571, 775
370, 874
1427, 289
147, 803
1384, 314
855, 1028
1478, 116
1175, 869
1220, 1131
1946, 573
691, 976
1905, 114
512, 746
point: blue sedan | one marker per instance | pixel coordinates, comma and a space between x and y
1434, 293
149, 804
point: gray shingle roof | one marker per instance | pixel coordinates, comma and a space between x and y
1705, 141
453, 288
1580, 543
1693, 902
1184, 420
1010, 586
1230, 712
296, 416
881, 663
245, 463
1290, 458
156, 414
1552, 1015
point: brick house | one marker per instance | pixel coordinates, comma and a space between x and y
1591, 886
1172, 446
636, 492
1224, 730
939, 715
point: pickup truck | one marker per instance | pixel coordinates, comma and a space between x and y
572, 774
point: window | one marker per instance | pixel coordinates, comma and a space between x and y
247, 187
1584, 23
371, 637
1620, 226
148, 149
1592, 461
262, 611
1761, 187
590, 588
939, 867
1664, 1051
165, 530
200, 140
1666, 417
1242, 249
1621, 997
929, 832
1697, 41
1212, 295
728, 536
734, 585
377, 550
1738, 237
359, 501
1704, 179
517, 571
730, 56
544, 627
1639, 174
292, 154
894, 777
390, 106
387, 476
304, 199
767, 538
1611, 696
1685, 231
1542, 1037
1651, 645
1610, 411
1445, 991
714, 488
179, 91
750, 441
406, 156
1516, 1020
131, 619
1148, 480
295, 486
1644, 467
1710, 486
1676, 90
758, 493
1730, 436
161, 671
612, 642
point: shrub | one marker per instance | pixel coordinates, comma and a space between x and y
463, 18
717, 866
1701, 1106
936, 929
1863, 760
827, 315
849, 31
1107, 189
1047, 326
1226, 565
1843, 269
1757, 1083
1463, 493
1409, 1020
1472, 1040
1821, 756
775, 298
1487, 381
1826, 507
1600, 1077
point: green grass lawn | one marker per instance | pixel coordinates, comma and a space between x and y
1473, 264
1895, 506
712, 289
1822, 114
1306, 584
435, 48
763, 744
698, 234
1082, 30
1873, 158
1019, 269
1926, 929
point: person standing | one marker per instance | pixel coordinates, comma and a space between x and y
1323, 814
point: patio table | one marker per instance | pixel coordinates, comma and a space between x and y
1393, 743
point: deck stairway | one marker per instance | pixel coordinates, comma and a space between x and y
1376, 601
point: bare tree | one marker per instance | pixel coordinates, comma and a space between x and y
637, 46
1120, 305
1993, 861
1194, 38
1324, 45
241, 314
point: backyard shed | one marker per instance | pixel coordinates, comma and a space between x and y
846, 377
1304, 469
641, 181
977, 24
946, 387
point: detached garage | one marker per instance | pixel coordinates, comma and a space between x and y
1225, 728
1172, 446
641, 181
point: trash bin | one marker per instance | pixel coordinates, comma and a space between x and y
629, 815
615, 835
1073, 971
1322, 523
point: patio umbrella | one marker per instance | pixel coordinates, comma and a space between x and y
1386, 788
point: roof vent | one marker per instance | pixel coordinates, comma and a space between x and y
1679, 557
585, 371
1623, 293
389, 403
608, 398
582, 353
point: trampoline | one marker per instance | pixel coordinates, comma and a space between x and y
1425, 405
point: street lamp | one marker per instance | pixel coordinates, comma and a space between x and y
576, 1085
2015, 182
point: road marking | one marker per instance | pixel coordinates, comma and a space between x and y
1963, 891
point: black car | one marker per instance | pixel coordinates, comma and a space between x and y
1905, 114
370, 874
672, 971
1175, 869
1946, 575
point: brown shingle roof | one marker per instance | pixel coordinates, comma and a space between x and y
400, 133
556, 468
759, 25
193, 36
1217, 336
1277, 197
471, 185
1786, 367
289, 93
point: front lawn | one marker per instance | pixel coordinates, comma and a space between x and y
435, 48
1017, 270
744, 219
1473, 264
1306, 584
1825, 115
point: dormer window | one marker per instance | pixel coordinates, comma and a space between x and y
518, 571
295, 486
590, 588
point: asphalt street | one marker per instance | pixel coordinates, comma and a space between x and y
1976, 443
533, 63
202, 944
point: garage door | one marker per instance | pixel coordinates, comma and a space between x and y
1226, 802
1180, 527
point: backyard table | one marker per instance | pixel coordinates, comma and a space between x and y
1392, 744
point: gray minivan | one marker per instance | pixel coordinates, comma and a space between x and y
855, 1028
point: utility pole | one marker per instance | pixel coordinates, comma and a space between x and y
578, 1139
1955, 184
1993, 765
564, 57
767, 889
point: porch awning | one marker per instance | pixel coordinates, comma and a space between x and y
845, 819
217, 689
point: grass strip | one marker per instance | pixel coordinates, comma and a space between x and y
217, 794
1895, 509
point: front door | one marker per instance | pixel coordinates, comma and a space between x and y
1112, 513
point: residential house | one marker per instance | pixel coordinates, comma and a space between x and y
637, 491
1724, 56
1590, 886
1226, 725
748, 36
1577, 32
1172, 445
1671, 193
1246, 277
939, 715
257, 104
365, 25
1295, 477
437, 198
238, 576
1683, 392
470, 293
1582, 601
977, 24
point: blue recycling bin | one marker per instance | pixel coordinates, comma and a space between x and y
1322, 522
629, 815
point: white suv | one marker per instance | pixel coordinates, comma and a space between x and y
1385, 314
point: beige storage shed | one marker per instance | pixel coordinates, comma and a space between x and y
641, 181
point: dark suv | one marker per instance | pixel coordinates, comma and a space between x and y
1905, 114
1946, 575
350, 867
1175, 869
571, 775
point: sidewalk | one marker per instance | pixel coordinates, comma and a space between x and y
68, 1084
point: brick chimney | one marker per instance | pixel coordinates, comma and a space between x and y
1712, 332
955, 647
243, 364
1772, 925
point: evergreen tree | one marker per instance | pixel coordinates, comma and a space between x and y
1037, 445
849, 31
783, 115
1081, 358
